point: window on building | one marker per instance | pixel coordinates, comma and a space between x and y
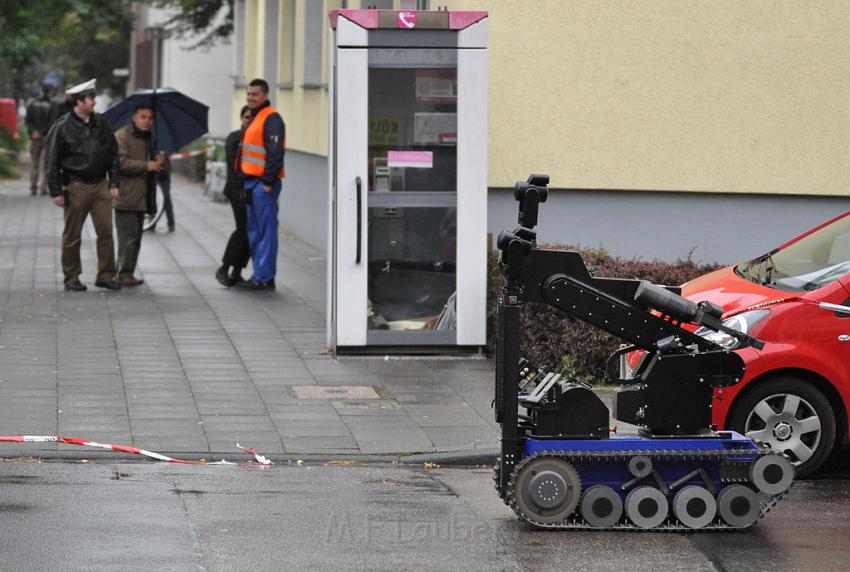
271, 44
286, 45
239, 21
314, 22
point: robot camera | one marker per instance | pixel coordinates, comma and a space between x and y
538, 180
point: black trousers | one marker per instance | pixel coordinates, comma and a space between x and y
237, 252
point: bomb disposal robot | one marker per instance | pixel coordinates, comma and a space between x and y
560, 464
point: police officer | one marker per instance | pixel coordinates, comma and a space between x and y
82, 176
261, 165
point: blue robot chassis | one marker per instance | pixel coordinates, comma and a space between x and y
561, 466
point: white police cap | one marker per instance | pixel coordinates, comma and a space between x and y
83, 88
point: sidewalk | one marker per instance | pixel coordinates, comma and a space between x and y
186, 367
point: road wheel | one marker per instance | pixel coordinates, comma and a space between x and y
547, 490
792, 416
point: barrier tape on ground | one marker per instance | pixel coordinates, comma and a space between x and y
260, 460
195, 153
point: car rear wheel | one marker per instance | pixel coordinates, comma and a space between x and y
792, 416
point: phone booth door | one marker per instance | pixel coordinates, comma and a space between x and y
398, 230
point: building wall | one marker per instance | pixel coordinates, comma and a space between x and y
652, 225
303, 101
716, 96
715, 127
304, 199
204, 74
141, 49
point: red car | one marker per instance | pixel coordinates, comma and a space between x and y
796, 391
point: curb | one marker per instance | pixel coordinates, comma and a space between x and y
452, 459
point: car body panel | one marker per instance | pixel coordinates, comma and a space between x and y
801, 338
798, 333
733, 293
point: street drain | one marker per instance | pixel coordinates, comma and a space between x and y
335, 392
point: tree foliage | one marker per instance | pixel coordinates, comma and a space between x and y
212, 20
78, 39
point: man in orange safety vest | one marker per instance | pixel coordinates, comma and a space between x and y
260, 162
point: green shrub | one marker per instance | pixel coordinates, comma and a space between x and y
552, 341
8, 156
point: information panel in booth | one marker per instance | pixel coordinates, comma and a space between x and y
407, 241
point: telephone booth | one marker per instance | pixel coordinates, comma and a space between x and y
407, 263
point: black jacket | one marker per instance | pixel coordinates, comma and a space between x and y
274, 135
82, 151
233, 186
39, 115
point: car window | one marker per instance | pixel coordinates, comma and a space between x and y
840, 249
808, 264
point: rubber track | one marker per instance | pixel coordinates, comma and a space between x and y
575, 520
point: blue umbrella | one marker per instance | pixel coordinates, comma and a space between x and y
179, 118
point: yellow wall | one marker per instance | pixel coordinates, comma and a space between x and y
305, 111
703, 95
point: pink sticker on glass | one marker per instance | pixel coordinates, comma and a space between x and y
410, 159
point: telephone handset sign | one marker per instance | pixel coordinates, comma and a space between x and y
406, 20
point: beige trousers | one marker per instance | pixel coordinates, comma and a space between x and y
82, 199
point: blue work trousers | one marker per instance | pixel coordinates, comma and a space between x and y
262, 228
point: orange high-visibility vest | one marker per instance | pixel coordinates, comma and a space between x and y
253, 158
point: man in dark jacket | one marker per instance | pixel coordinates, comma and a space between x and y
261, 164
237, 253
81, 153
39, 117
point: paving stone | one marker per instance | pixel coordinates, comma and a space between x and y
388, 434
447, 439
457, 414
326, 445
312, 428
368, 408
212, 409
335, 392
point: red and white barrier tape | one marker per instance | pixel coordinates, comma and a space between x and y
259, 459
185, 154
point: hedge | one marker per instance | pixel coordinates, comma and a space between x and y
551, 340
8, 156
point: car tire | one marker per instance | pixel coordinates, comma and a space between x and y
792, 416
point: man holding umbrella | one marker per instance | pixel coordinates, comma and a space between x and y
261, 164
82, 176
139, 169
177, 121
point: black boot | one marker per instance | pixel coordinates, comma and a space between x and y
221, 276
235, 276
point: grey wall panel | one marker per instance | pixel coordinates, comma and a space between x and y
648, 225
304, 201
720, 228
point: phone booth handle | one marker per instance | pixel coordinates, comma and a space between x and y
359, 184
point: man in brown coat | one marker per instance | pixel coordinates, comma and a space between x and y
138, 170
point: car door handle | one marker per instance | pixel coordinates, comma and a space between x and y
844, 338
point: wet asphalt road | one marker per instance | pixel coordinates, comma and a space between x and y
71, 516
